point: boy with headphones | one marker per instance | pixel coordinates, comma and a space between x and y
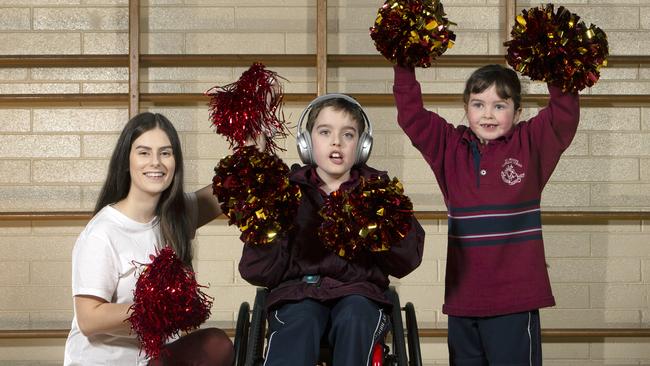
315, 293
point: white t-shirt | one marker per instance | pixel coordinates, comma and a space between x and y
105, 263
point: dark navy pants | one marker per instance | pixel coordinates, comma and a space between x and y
513, 340
353, 325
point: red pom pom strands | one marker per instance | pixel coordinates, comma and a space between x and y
256, 194
412, 32
167, 300
249, 107
373, 215
557, 48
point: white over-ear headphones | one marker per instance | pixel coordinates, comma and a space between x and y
303, 140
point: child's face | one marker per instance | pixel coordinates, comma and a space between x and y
334, 138
490, 116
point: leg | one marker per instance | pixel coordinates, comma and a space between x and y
295, 333
204, 347
464, 342
357, 324
513, 339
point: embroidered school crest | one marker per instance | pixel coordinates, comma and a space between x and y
509, 172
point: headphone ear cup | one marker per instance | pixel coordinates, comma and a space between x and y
303, 142
364, 148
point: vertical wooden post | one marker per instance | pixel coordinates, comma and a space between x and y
134, 57
321, 47
510, 17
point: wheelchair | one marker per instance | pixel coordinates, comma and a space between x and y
251, 334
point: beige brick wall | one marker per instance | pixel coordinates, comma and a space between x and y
54, 158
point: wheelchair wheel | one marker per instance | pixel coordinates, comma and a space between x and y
241, 333
399, 346
257, 330
413, 337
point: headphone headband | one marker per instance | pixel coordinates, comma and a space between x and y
329, 96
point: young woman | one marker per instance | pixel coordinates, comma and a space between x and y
141, 208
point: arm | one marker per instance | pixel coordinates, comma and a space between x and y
427, 130
405, 255
265, 265
208, 205
554, 127
97, 316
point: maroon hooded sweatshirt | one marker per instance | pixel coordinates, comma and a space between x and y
281, 265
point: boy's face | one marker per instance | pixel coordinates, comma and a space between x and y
490, 116
334, 139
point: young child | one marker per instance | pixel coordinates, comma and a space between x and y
491, 175
142, 207
312, 289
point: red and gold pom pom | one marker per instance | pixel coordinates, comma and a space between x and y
167, 300
256, 194
249, 107
412, 32
557, 48
372, 216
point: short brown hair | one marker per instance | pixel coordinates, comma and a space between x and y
503, 78
338, 104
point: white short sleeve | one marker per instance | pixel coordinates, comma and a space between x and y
94, 267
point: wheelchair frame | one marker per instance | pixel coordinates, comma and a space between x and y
250, 332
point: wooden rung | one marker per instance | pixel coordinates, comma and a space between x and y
285, 60
35, 100
581, 333
547, 216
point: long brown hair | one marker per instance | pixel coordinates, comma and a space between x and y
170, 210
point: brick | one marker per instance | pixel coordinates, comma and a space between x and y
636, 348
203, 19
620, 245
474, 18
39, 146
354, 43
92, 19
215, 273
15, 19
212, 75
228, 298
51, 319
241, 43
19, 171
618, 296
571, 350
610, 119
89, 197
109, 43
589, 318
417, 170
609, 17
568, 296
35, 298
80, 120
565, 195
645, 17
428, 296
70, 171
566, 245
469, 43
291, 20
613, 226
103, 88
425, 274
50, 273
80, 73
596, 170
579, 146
39, 88
620, 144
12, 320
621, 195
621, 87
98, 146
645, 264
645, 118
161, 43
627, 43
39, 198
58, 227
14, 74
39, 248
14, 273
620, 73
594, 270
39, 44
